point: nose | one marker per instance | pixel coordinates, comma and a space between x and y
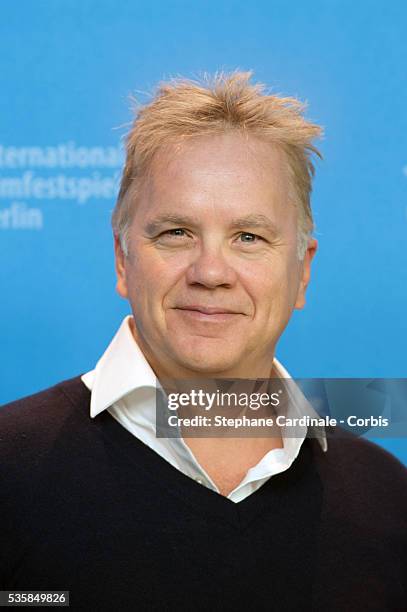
211, 269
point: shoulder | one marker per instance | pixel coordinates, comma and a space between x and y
36, 419
68, 392
360, 473
350, 453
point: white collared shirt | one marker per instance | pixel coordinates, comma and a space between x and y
124, 384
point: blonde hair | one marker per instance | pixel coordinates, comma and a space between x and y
185, 108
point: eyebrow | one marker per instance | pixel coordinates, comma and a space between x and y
256, 221
154, 225
252, 221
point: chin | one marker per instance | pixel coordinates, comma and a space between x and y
207, 362
210, 368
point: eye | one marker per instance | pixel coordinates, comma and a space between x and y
175, 237
178, 231
249, 237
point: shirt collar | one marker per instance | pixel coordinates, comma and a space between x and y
299, 406
123, 368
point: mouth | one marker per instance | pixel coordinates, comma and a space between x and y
208, 313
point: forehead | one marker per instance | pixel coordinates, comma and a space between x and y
227, 173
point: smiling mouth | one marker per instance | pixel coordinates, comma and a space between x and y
209, 314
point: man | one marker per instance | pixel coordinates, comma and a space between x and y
213, 249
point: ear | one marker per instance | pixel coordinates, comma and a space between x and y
306, 273
120, 266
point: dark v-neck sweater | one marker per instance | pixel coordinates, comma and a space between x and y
87, 507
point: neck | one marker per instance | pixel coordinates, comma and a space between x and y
225, 459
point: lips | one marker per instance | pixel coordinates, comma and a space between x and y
208, 310
197, 313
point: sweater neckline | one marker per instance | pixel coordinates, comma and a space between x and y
279, 494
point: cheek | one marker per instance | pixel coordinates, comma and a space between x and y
273, 287
150, 277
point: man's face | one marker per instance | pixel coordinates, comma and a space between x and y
213, 274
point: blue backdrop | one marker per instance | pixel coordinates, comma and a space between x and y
67, 69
